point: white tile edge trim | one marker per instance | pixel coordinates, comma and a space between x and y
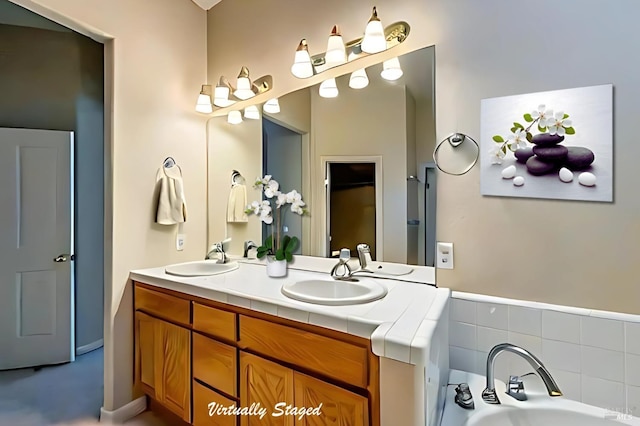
90, 347
619, 316
124, 413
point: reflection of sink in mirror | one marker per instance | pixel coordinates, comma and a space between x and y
200, 268
397, 127
334, 292
395, 270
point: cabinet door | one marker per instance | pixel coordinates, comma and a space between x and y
267, 384
145, 335
205, 402
339, 406
172, 368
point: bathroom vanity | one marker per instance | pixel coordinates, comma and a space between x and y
207, 344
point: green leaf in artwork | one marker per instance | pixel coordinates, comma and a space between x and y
528, 118
542, 129
518, 125
504, 149
565, 116
570, 131
513, 147
513, 129
529, 136
498, 138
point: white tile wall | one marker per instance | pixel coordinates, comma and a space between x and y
593, 355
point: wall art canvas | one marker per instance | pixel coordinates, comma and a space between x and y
556, 144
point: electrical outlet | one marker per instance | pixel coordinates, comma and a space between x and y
444, 255
180, 240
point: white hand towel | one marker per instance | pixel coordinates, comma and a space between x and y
172, 207
237, 204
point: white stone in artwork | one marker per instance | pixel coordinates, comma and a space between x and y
565, 175
509, 172
587, 179
518, 181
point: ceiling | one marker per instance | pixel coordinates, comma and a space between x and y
206, 4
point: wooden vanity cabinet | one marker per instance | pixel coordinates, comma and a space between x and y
191, 352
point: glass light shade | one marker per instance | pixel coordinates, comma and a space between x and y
359, 79
374, 40
251, 112
272, 106
243, 90
336, 51
328, 88
221, 97
203, 104
302, 67
391, 69
234, 117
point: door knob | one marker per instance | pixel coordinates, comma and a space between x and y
63, 258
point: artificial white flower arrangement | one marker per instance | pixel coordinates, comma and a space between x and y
280, 247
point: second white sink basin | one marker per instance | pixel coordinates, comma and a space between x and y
333, 292
200, 268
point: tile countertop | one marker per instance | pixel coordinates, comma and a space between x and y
400, 325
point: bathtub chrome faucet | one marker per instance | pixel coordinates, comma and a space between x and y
489, 394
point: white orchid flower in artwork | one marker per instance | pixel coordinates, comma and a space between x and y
497, 155
558, 124
517, 139
543, 114
271, 189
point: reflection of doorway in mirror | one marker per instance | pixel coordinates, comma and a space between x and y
351, 206
282, 158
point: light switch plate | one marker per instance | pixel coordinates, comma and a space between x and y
444, 255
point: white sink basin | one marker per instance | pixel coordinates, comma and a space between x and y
389, 269
200, 268
333, 292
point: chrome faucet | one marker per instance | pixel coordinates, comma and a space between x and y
248, 245
364, 255
219, 250
342, 271
515, 387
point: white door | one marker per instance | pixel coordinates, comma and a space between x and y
36, 215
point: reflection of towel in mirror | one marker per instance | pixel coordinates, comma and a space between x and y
172, 207
237, 204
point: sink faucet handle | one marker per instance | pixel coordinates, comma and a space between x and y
248, 245
342, 270
364, 255
515, 388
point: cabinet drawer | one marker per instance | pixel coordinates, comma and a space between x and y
162, 305
202, 397
214, 363
334, 358
215, 322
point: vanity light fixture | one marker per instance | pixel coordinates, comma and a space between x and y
203, 104
328, 88
234, 117
391, 69
244, 87
374, 40
336, 51
302, 67
359, 79
272, 106
221, 93
251, 112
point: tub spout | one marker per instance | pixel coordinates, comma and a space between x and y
489, 394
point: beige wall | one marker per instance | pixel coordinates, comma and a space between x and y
155, 62
574, 253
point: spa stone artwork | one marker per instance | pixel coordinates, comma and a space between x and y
555, 144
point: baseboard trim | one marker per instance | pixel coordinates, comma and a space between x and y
124, 413
90, 347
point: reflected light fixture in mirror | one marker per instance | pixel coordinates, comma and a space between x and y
234, 117
272, 106
336, 51
221, 94
251, 112
243, 90
328, 88
391, 69
203, 104
359, 79
374, 40
302, 67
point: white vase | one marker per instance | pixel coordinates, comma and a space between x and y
276, 268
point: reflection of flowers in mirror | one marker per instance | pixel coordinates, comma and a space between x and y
270, 212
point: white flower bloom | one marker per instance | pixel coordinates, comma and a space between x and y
496, 155
293, 197
266, 218
558, 124
271, 188
543, 114
297, 208
518, 138
266, 179
255, 206
282, 200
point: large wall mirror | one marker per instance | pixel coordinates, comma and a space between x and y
361, 160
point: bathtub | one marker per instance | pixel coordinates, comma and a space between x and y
539, 410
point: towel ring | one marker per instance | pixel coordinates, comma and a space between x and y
237, 178
168, 162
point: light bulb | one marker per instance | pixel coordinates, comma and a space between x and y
302, 67
328, 88
336, 52
359, 79
374, 40
234, 117
272, 106
391, 69
251, 112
